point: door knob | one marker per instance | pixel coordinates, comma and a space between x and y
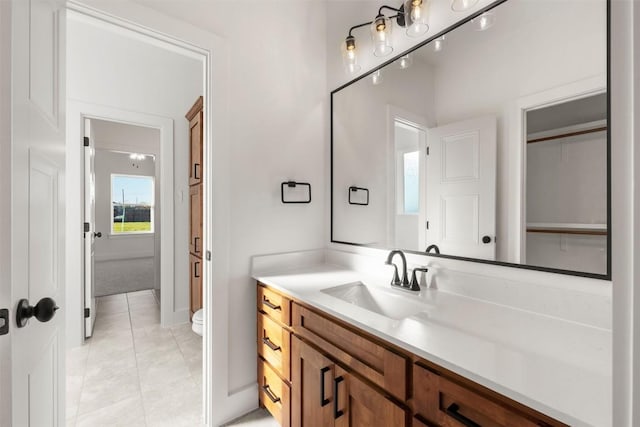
44, 311
486, 239
98, 234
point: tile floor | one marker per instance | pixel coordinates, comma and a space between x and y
132, 372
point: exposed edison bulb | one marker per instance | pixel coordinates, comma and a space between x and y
349, 55
416, 17
405, 61
438, 44
376, 77
381, 36
462, 5
485, 21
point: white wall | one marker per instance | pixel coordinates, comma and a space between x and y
117, 71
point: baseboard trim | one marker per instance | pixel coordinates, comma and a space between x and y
122, 257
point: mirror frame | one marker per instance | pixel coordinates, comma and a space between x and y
447, 30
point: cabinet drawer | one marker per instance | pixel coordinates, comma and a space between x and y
275, 305
274, 394
450, 404
371, 360
274, 343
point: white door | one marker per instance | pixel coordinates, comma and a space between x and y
34, 396
90, 232
461, 188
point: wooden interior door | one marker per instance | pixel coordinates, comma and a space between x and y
37, 212
358, 405
311, 385
461, 188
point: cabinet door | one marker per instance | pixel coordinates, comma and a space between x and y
195, 222
195, 149
311, 386
195, 283
357, 404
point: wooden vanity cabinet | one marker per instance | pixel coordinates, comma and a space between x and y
325, 394
453, 401
316, 371
196, 132
274, 354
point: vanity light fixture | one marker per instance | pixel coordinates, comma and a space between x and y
136, 156
462, 5
412, 15
438, 44
485, 21
376, 77
405, 61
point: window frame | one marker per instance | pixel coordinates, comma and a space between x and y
153, 206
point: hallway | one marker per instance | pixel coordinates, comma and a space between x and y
132, 372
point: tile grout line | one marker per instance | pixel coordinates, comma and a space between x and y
135, 355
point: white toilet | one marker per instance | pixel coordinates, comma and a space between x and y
198, 318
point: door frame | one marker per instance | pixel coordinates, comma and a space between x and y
133, 20
399, 114
77, 112
517, 221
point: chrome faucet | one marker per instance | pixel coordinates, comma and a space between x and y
396, 279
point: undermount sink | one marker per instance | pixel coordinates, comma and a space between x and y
386, 302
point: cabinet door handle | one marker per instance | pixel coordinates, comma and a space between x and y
323, 401
270, 395
452, 411
195, 244
196, 273
195, 170
270, 344
269, 304
337, 413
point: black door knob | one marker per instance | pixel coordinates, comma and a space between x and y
486, 239
98, 234
44, 311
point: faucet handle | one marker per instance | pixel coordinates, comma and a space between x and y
396, 278
414, 286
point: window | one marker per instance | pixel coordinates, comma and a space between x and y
408, 139
132, 204
411, 177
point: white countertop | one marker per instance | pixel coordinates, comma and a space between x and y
560, 368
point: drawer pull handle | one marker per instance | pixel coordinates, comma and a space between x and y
269, 344
270, 395
336, 412
269, 304
323, 401
452, 411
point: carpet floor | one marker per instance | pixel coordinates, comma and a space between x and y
121, 276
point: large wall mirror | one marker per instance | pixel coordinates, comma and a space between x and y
492, 145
